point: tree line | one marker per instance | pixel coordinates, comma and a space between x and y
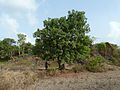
9, 48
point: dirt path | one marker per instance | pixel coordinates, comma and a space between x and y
81, 81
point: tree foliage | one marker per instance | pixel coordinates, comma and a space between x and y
106, 49
28, 48
64, 38
21, 43
7, 48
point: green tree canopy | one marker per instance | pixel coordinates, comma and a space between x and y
7, 48
64, 39
21, 42
28, 48
106, 49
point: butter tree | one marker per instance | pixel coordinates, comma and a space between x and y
64, 39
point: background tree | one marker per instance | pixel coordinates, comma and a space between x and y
28, 48
2, 51
64, 39
7, 48
21, 43
106, 49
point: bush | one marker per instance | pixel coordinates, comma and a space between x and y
95, 64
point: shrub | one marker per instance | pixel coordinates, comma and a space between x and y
95, 64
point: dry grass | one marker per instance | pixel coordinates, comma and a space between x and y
54, 79
81, 81
21, 75
10, 80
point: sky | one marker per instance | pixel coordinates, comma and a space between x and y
25, 16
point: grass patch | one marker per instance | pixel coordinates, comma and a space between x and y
10, 80
78, 68
52, 72
24, 62
3, 62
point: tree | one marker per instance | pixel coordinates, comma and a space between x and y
7, 48
28, 48
106, 49
2, 50
64, 38
21, 42
9, 41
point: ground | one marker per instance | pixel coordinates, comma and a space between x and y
35, 80
23, 75
80, 81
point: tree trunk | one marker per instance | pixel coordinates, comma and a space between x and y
61, 66
59, 63
19, 51
46, 65
11, 55
23, 51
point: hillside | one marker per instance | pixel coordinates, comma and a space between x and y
26, 79
81, 81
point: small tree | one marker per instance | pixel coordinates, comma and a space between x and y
7, 48
28, 48
64, 39
107, 50
21, 42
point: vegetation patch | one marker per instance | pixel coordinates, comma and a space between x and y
95, 64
